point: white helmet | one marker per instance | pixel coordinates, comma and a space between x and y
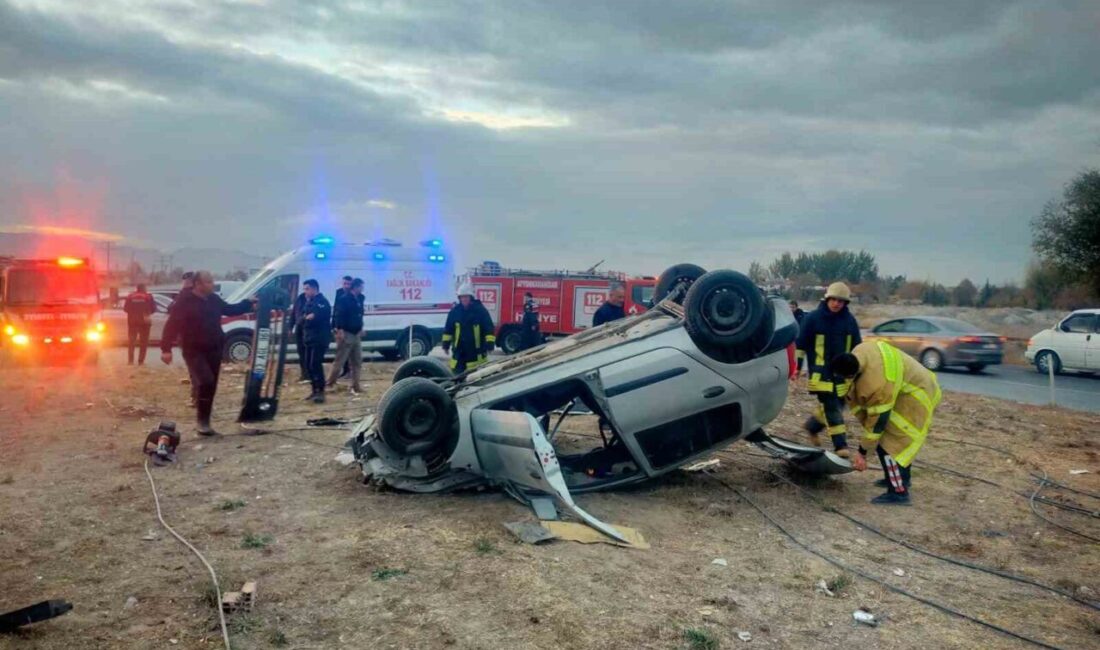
465, 289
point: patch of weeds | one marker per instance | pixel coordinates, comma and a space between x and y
210, 597
230, 505
243, 624
278, 639
386, 574
252, 540
485, 546
700, 639
839, 583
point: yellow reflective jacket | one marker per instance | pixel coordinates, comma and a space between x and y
893, 382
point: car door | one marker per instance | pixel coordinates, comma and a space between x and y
889, 331
159, 318
1072, 338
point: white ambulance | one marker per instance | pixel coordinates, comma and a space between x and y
408, 292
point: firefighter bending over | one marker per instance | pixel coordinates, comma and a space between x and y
827, 332
894, 397
469, 331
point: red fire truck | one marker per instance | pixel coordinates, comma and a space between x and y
49, 310
567, 300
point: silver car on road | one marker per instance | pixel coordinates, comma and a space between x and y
708, 366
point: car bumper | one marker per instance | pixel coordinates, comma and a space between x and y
985, 357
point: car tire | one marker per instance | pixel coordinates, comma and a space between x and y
727, 317
238, 348
680, 275
416, 416
427, 367
510, 339
1047, 357
421, 344
932, 359
976, 368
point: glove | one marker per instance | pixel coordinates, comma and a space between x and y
446, 348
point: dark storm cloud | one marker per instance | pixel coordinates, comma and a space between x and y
718, 131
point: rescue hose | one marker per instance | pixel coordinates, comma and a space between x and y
213, 575
882, 583
913, 547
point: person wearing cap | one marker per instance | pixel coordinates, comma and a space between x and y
827, 332
894, 397
468, 331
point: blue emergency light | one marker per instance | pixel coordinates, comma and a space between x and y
433, 243
379, 256
321, 241
320, 255
437, 258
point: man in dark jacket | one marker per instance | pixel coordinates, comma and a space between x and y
612, 308
798, 314
469, 330
828, 332
139, 307
299, 345
531, 334
316, 323
196, 319
347, 322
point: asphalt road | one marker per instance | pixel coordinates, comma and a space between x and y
1024, 384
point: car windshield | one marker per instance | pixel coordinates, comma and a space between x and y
955, 325
51, 286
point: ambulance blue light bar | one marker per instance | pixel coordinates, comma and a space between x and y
321, 241
432, 243
437, 258
379, 256
321, 255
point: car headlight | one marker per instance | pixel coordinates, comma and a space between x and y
93, 335
20, 339
101, 327
9, 330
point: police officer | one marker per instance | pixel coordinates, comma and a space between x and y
196, 319
139, 307
827, 332
894, 397
469, 330
299, 345
612, 308
531, 334
315, 320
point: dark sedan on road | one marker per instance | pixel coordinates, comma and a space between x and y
940, 342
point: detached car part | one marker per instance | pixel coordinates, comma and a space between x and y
706, 367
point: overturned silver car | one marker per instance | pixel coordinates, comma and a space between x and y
705, 367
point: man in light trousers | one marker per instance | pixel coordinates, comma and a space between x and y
347, 319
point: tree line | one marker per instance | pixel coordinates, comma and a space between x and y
1065, 273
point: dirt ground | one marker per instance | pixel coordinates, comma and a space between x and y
342, 565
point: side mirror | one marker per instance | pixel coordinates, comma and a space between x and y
1064, 327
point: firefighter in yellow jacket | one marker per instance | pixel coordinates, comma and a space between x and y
469, 330
894, 397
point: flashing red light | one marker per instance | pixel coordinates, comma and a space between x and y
69, 262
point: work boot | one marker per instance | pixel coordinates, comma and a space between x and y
309, 398
204, 429
355, 390
318, 398
891, 498
840, 441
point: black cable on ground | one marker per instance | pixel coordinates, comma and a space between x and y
886, 585
1051, 482
1035, 511
918, 549
1032, 497
998, 450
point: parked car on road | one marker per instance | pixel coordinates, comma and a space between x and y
941, 342
1072, 344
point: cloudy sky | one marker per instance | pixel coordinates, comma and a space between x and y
557, 133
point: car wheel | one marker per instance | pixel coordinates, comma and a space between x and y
1045, 359
511, 340
427, 367
976, 367
238, 348
676, 277
417, 416
421, 345
727, 317
931, 359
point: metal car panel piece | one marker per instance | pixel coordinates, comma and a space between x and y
512, 448
812, 460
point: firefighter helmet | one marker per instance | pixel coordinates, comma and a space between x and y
465, 289
840, 291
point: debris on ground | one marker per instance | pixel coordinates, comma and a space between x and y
823, 587
720, 561
865, 617
899, 572
575, 532
131, 603
744, 636
245, 599
529, 532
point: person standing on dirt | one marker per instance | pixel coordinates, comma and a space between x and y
612, 308
531, 334
139, 307
347, 319
345, 286
187, 284
799, 315
316, 323
196, 319
894, 397
469, 330
827, 332
299, 344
